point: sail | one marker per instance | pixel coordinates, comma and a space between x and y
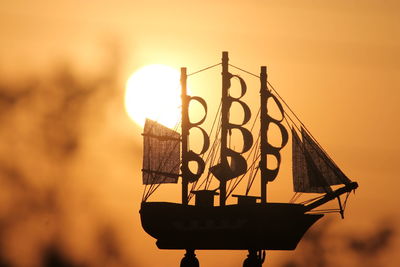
232, 163
192, 156
331, 173
161, 157
304, 172
266, 147
313, 171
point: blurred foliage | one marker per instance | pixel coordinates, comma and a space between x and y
322, 247
44, 122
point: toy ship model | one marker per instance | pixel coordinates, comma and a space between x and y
251, 223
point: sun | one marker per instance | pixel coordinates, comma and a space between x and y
153, 92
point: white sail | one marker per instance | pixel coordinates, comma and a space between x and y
161, 156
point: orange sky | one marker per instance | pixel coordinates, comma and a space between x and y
337, 64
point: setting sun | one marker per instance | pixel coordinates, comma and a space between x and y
153, 92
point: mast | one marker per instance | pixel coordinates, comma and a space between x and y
224, 120
185, 133
263, 132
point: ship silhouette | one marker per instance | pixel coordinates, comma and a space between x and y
251, 223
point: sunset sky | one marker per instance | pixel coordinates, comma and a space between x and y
70, 157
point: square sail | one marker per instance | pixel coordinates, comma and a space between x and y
161, 155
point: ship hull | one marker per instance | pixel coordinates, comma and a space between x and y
272, 226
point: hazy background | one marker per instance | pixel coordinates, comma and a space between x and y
70, 158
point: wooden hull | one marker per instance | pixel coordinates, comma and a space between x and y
272, 226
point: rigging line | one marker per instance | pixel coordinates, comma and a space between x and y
253, 150
148, 188
298, 119
208, 172
257, 145
325, 211
276, 92
252, 181
280, 97
255, 119
143, 194
213, 124
312, 199
305, 128
153, 188
248, 72
253, 169
206, 68
209, 154
286, 117
212, 151
321, 179
233, 184
240, 179
212, 155
295, 197
324, 154
190, 196
216, 145
252, 173
345, 200
176, 127
286, 104
303, 150
255, 155
159, 184
193, 187
209, 180
321, 154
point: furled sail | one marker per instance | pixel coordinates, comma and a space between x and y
266, 147
313, 170
192, 156
161, 157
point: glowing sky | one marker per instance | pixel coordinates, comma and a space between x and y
336, 63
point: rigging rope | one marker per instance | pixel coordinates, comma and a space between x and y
254, 150
211, 156
206, 68
214, 148
297, 118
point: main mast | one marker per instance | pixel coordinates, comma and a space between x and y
224, 120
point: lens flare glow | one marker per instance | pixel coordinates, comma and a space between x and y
153, 92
